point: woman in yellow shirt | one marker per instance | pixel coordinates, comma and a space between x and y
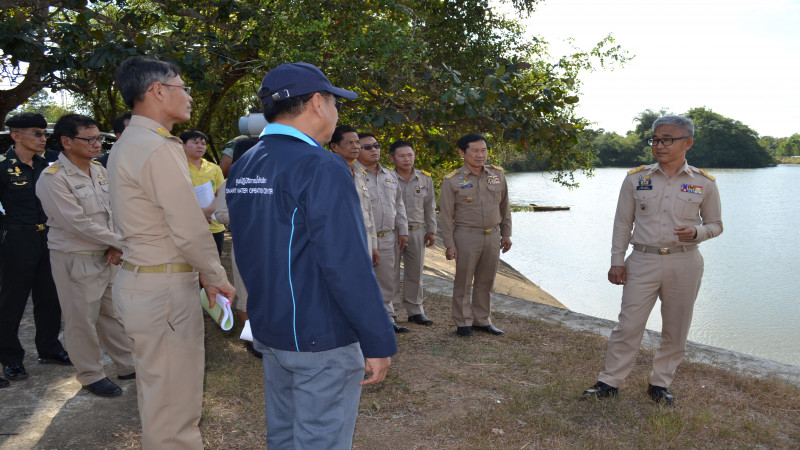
202, 171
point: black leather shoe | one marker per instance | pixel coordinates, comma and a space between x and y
660, 394
252, 350
600, 390
104, 388
491, 329
130, 376
420, 319
4, 383
399, 329
61, 358
464, 331
15, 371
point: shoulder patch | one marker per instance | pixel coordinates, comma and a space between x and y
426, 173
449, 175
707, 175
52, 168
2, 158
97, 162
495, 167
633, 171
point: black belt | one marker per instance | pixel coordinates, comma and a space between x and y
37, 227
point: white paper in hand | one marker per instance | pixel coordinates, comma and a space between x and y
247, 334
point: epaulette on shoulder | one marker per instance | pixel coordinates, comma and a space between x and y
52, 168
2, 158
164, 132
362, 169
633, 171
707, 175
449, 175
426, 173
97, 162
495, 167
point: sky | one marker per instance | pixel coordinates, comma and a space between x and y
737, 58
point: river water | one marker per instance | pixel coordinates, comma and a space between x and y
749, 300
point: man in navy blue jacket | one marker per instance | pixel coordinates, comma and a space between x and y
315, 308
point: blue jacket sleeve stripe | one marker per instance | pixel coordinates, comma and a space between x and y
291, 286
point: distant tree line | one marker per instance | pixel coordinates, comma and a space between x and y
719, 142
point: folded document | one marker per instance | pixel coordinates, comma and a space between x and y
221, 312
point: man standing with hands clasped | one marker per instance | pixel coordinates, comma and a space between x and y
476, 225
165, 243
420, 203
671, 207
314, 304
84, 254
389, 211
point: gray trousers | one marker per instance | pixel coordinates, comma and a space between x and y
312, 397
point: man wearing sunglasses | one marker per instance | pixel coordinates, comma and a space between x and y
664, 210
84, 253
391, 223
23, 251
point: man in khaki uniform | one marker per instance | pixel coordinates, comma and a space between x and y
389, 211
345, 143
165, 243
671, 207
83, 252
474, 209
420, 203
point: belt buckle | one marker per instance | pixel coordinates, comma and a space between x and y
40, 227
381, 234
663, 251
487, 231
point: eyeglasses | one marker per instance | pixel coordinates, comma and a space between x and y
184, 87
36, 134
666, 141
92, 140
376, 146
339, 104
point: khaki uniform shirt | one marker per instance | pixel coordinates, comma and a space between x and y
474, 201
360, 179
78, 207
652, 205
388, 206
420, 200
155, 208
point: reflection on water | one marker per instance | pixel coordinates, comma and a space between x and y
750, 297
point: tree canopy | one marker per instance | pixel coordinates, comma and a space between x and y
425, 70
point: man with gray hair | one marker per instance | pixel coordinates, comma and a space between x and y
165, 244
664, 210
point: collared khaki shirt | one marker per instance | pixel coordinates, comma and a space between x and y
468, 200
78, 207
360, 179
388, 206
652, 205
420, 199
155, 208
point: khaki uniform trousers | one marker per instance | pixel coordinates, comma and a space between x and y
164, 321
83, 283
413, 256
675, 278
240, 302
384, 272
476, 267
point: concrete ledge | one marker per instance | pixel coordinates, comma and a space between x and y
700, 353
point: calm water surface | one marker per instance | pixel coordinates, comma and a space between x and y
749, 300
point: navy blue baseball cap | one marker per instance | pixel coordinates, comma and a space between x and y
294, 79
